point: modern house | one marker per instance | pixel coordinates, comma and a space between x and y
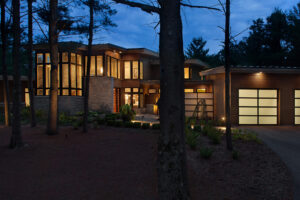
259, 95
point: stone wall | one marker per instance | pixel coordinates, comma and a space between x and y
101, 94
69, 104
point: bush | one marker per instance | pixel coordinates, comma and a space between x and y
100, 121
118, 124
197, 128
156, 126
192, 138
137, 125
40, 115
145, 126
110, 123
215, 136
110, 117
206, 153
128, 124
126, 112
25, 113
245, 135
65, 119
235, 155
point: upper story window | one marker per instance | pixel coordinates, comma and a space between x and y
133, 70
69, 74
113, 67
96, 68
187, 73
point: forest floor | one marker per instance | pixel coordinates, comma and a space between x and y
120, 163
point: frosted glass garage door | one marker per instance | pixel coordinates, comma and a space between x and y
258, 107
297, 107
191, 101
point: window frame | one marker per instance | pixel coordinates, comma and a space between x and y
59, 68
131, 70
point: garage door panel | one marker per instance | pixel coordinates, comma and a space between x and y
297, 102
267, 111
297, 120
205, 95
248, 120
268, 102
267, 93
248, 93
248, 111
267, 120
247, 102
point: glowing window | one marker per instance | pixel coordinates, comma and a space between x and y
141, 70
127, 70
135, 70
39, 58
188, 90
152, 91
201, 90
186, 73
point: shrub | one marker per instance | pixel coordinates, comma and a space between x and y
100, 121
245, 135
145, 126
110, 117
40, 115
126, 112
110, 123
25, 113
156, 126
118, 124
192, 138
235, 155
197, 128
65, 119
215, 136
206, 153
128, 124
137, 125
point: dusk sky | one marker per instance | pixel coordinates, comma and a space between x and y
135, 28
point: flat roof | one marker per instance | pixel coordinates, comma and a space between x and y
253, 69
69, 46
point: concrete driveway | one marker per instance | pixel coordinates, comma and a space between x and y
285, 141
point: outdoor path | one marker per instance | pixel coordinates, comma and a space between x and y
285, 141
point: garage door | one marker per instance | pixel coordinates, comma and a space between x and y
297, 107
258, 106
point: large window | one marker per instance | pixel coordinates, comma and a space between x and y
258, 106
113, 67
96, 68
187, 73
134, 97
69, 74
133, 70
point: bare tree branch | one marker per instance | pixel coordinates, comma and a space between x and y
222, 5
144, 7
195, 6
40, 27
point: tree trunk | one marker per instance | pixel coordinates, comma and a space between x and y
4, 66
30, 47
87, 78
227, 77
53, 99
172, 174
16, 138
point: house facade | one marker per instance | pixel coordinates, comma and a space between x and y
118, 76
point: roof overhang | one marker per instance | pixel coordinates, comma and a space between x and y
253, 69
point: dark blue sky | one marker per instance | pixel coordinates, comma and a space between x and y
136, 28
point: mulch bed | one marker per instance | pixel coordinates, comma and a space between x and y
120, 163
